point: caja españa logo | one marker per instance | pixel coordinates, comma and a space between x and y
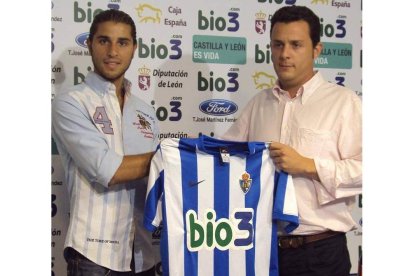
263, 80
325, 2
218, 107
338, 4
81, 39
148, 14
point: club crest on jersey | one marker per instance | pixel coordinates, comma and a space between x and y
245, 182
144, 125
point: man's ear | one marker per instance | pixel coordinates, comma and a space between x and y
89, 44
317, 50
135, 48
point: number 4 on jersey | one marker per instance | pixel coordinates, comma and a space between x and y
101, 118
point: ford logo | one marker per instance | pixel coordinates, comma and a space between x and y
218, 107
81, 40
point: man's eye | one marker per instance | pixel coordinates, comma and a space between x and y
277, 45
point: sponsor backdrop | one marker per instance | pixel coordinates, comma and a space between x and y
197, 63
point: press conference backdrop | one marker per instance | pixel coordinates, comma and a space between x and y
197, 63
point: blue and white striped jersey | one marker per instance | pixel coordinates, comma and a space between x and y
218, 203
92, 136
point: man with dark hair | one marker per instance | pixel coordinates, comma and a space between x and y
106, 138
316, 129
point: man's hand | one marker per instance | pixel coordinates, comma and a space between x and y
289, 160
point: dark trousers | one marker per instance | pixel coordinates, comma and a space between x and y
78, 265
328, 257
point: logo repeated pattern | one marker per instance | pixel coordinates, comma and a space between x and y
198, 66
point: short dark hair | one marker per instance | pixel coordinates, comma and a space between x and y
293, 13
114, 16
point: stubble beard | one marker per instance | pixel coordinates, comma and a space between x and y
106, 76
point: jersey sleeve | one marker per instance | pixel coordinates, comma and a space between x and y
155, 191
74, 131
285, 207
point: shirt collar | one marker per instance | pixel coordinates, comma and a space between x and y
102, 86
304, 92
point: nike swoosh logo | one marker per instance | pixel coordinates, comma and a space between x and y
193, 183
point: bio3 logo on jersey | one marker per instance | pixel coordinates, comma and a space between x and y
81, 39
218, 107
213, 22
218, 83
161, 51
233, 233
